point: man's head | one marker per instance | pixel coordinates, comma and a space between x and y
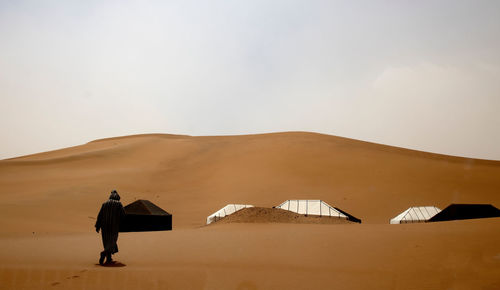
114, 195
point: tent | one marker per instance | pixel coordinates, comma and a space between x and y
466, 211
316, 207
143, 215
227, 210
418, 214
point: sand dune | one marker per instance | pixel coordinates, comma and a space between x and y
49, 201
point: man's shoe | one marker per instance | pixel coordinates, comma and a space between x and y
108, 259
101, 259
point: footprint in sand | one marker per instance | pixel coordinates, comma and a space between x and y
55, 283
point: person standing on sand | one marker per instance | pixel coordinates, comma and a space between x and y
108, 221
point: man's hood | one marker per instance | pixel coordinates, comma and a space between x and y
114, 195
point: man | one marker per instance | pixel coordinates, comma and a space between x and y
108, 221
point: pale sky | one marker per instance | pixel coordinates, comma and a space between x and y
417, 74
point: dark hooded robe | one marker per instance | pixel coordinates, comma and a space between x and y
108, 221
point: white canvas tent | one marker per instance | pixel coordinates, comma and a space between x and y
418, 214
227, 210
311, 207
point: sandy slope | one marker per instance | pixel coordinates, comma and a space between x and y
48, 204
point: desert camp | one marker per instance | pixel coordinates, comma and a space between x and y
258, 241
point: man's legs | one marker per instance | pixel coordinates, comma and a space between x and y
113, 247
108, 258
106, 255
101, 259
103, 253
109, 243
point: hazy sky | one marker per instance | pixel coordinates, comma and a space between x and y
417, 74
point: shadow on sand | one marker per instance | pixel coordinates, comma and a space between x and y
112, 264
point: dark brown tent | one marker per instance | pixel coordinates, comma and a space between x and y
143, 215
466, 211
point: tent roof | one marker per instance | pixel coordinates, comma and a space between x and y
312, 207
227, 210
416, 214
144, 207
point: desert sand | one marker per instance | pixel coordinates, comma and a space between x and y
49, 201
